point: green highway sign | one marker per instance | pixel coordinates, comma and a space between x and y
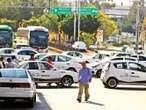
60, 10
89, 11
68, 11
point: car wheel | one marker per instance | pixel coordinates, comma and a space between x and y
112, 83
32, 101
67, 81
98, 73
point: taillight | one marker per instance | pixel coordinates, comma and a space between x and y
23, 85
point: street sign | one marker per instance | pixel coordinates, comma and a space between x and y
89, 11
60, 10
68, 11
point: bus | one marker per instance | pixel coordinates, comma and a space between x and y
33, 36
6, 36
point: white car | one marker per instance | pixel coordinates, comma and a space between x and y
16, 84
79, 45
63, 62
7, 51
74, 54
141, 59
123, 72
40, 55
93, 46
24, 54
42, 72
98, 57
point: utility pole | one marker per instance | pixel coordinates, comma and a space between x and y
78, 5
137, 26
75, 20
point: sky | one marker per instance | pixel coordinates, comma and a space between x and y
118, 2
125, 2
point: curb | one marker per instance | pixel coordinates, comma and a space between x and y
55, 49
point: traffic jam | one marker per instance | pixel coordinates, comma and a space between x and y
25, 66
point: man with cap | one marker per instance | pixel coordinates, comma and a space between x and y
2, 63
85, 76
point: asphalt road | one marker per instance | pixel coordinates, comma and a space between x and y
54, 98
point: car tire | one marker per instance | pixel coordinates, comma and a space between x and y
32, 101
112, 83
67, 81
98, 73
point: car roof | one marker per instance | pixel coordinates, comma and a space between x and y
18, 50
120, 61
32, 61
14, 69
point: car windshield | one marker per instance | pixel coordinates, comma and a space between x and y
13, 74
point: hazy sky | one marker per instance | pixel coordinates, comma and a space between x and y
125, 2
118, 2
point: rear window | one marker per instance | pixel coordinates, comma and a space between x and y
13, 74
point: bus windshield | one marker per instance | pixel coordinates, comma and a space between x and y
5, 36
39, 34
38, 38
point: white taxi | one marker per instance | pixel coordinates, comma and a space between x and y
63, 62
42, 72
123, 72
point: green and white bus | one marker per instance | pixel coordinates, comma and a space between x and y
6, 36
34, 36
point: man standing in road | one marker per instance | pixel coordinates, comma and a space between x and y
85, 76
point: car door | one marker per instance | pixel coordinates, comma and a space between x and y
47, 72
33, 68
121, 71
62, 62
137, 72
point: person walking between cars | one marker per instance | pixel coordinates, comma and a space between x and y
14, 61
2, 63
10, 64
85, 76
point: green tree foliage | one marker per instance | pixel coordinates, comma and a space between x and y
86, 37
86, 21
89, 21
107, 24
23, 9
49, 21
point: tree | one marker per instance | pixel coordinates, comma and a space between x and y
86, 21
108, 25
49, 21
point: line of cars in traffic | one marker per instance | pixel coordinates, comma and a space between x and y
113, 69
